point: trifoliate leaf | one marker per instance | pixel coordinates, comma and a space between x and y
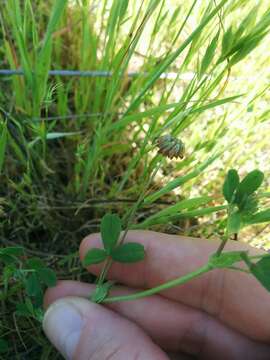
230, 185
128, 253
94, 256
110, 231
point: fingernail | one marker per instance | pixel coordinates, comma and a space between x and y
63, 324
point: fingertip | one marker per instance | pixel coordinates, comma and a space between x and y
66, 288
80, 329
63, 324
51, 295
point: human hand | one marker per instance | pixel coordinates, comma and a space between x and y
221, 315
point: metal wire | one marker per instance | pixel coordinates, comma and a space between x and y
98, 73
78, 73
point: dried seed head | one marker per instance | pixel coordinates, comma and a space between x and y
170, 147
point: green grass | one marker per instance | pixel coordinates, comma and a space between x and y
72, 149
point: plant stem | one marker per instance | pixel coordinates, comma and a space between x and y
131, 214
226, 236
176, 282
221, 246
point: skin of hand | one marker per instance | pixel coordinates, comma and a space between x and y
224, 314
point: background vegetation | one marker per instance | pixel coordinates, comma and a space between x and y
73, 147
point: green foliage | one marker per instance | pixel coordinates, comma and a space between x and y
180, 181
230, 184
259, 217
249, 185
28, 310
32, 273
47, 276
243, 202
94, 256
101, 292
209, 54
9, 254
32, 286
174, 211
128, 253
110, 231
41, 274
227, 42
3, 346
3, 143
226, 259
261, 270
234, 223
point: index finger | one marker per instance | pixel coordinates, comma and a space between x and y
235, 298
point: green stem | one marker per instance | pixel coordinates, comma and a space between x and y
157, 289
221, 246
131, 214
226, 236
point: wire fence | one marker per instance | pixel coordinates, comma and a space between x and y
187, 76
104, 73
90, 73
87, 74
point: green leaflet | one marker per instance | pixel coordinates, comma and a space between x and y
251, 182
128, 253
110, 231
234, 223
47, 276
261, 270
94, 256
230, 184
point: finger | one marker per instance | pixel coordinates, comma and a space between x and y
165, 321
220, 292
83, 330
173, 326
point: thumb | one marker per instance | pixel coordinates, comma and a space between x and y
82, 330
